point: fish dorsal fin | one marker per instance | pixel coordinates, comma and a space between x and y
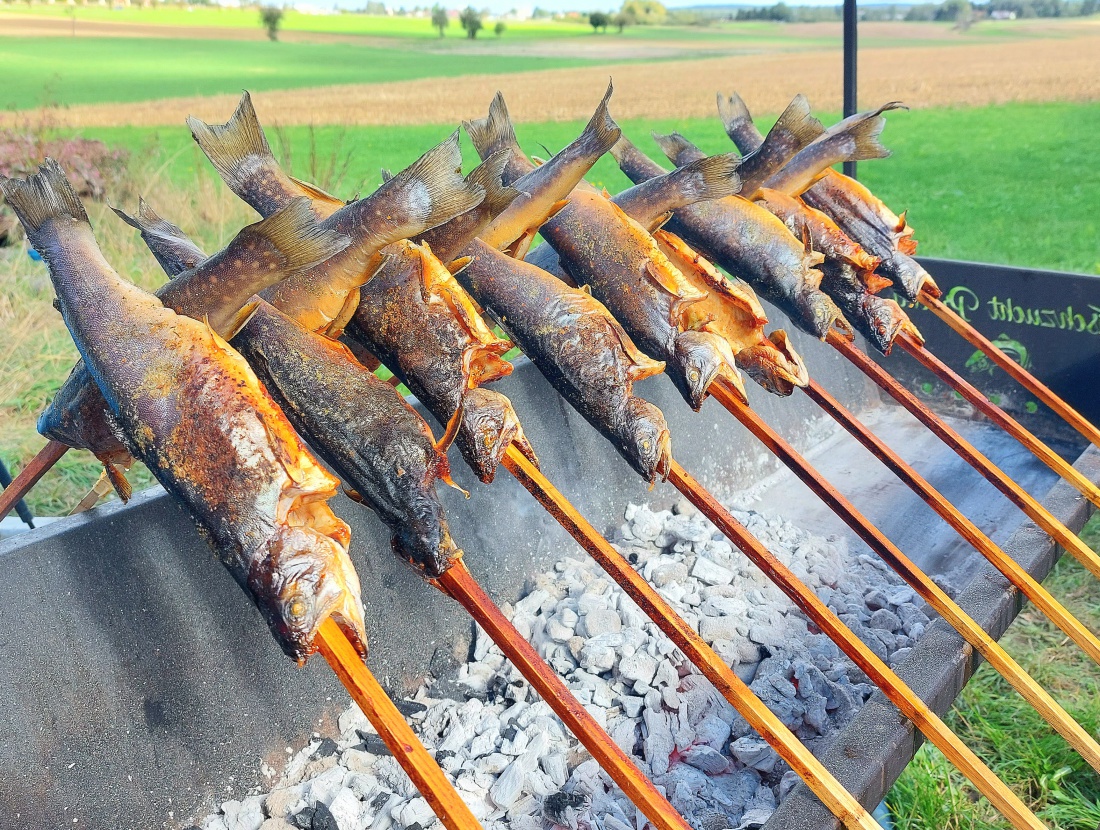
659, 222
387, 174
328, 203
519, 248
457, 266
901, 222
538, 162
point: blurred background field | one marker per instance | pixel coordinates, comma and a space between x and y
995, 162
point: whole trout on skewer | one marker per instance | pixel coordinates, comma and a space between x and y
600, 246
258, 257
190, 408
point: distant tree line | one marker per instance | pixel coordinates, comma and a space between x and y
963, 11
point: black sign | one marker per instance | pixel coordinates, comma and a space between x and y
1047, 321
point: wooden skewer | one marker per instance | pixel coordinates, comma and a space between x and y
394, 731
29, 475
1000, 417
460, 585
1022, 376
919, 581
986, 782
837, 799
986, 468
1025, 582
932, 594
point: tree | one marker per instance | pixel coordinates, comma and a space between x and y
440, 19
471, 21
644, 12
498, 30
271, 17
621, 21
599, 20
540, 14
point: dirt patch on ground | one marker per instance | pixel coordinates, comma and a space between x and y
1036, 70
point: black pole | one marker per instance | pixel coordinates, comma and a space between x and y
850, 45
20, 506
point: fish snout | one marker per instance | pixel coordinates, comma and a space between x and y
489, 426
700, 359
646, 442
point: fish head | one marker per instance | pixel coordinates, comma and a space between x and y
909, 277
645, 441
489, 426
774, 364
881, 321
306, 578
817, 314
700, 358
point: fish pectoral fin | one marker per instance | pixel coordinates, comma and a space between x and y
456, 266
335, 326
659, 222
354, 495
453, 425
328, 203
118, 481
518, 249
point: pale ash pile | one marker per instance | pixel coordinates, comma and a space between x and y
509, 756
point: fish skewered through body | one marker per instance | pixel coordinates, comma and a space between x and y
258, 257
192, 410
752, 244
426, 194
600, 246
378, 444
173, 249
729, 309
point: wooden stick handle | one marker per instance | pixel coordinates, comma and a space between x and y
919, 581
1000, 417
1022, 376
821, 782
394, 731
986, 782
986, 468
460, 585
29, 476
1025, 582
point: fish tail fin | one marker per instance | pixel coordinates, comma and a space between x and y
228, 145
43, 196
734, 113
437, 192
488, 176
865, 136
494, 131
713, 177
173, 249
799, 122
601, 132
298, 240
678, 149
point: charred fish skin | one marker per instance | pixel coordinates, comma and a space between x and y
174, 250
422, 325
376, 443
215, 290
795, 129
580, 348
200, 420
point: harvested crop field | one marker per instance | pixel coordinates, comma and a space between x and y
1035, 71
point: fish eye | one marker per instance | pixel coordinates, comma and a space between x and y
297, 608
646, 444
693, 375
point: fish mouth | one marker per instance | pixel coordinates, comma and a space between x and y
429, 560
489, 426
775, 365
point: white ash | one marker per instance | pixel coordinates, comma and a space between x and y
514, 764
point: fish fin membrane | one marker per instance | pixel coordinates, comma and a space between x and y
865, 133
386, 175
316, 194
488, 176
228, 144
151, 222
713, 177
493, 132
240, 319
736, 117
435, 174
43, 196
295, 233
797, 121
678, 149
601, 132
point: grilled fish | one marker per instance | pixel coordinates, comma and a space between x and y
424, 195
878, 319
192, 410
794, 129
378, 444
752, 244
258, 257
172, 248
600, 246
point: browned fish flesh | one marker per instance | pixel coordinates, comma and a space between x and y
192, 410
258, 257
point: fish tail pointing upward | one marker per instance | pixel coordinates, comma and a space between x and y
734, 113
296, 236
435, 176
797, 121
714, 177
43, 196
601, 132
229, 144
678, 149
495, 131
487, 176
865, 133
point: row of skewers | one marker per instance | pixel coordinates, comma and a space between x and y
247, 362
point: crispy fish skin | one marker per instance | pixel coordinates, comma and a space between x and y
427, 330
172, 248
793, 130
752, 244
426, 194
258, 257
378, 444
581, 349
865, 218
193, 411
878, 319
